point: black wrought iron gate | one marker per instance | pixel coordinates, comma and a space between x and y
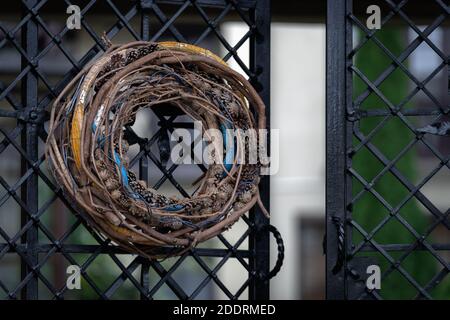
35, 244
399, 235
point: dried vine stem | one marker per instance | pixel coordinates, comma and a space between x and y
87, 149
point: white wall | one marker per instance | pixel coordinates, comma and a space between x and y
298, 111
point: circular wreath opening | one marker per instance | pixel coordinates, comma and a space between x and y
89, 137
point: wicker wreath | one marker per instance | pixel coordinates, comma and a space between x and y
87, 147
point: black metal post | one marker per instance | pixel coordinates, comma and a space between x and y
335, 146
260, 65
29, 189
145, 19
143, 161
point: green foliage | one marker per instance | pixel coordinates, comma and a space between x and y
390, 140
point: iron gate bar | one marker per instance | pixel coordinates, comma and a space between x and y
86, 248
260, 64
31, 130
244, 4
335, 142
343, 117
29, 190
143, 161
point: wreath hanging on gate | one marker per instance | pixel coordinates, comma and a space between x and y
87, 147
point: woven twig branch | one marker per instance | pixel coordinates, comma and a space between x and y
87, 150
